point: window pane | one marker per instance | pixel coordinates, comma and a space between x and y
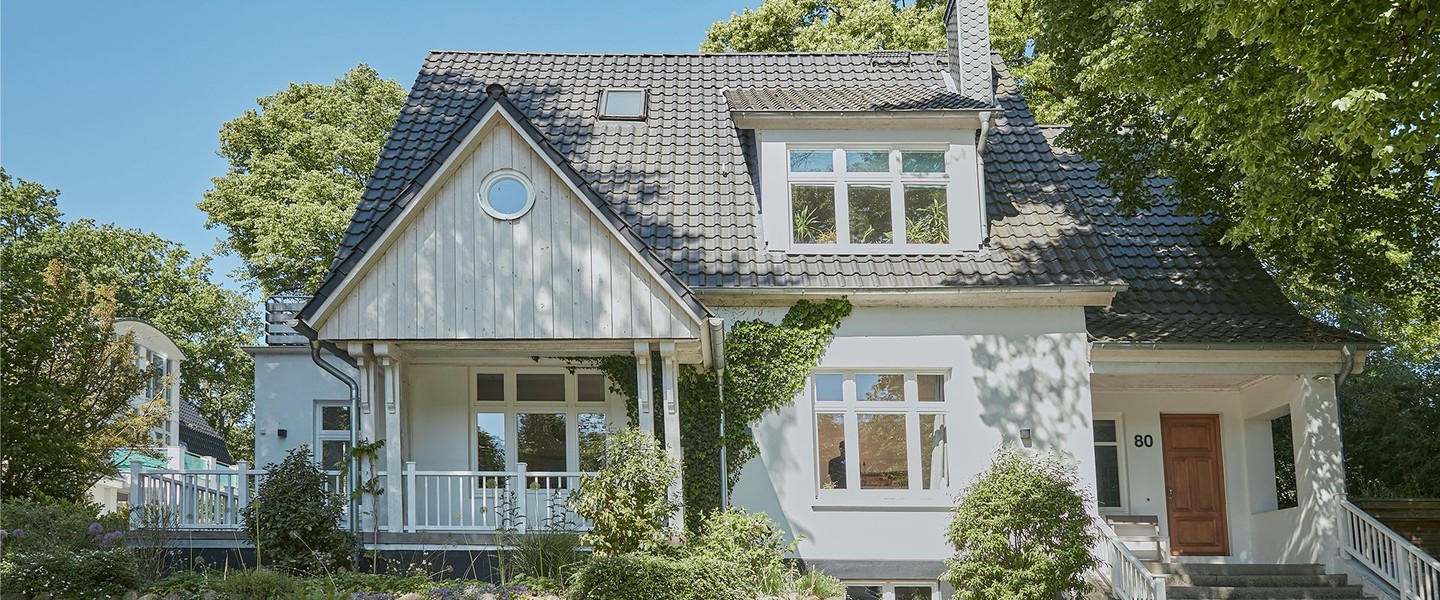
811, 161
932, 387
334, 454
1104, 430
863, 592
830, 442
829, 387
335, 418
490, 387
913, 592
540, 441
813, 210
540, 388
1107, 476
879, 388
490, 441
867, 161
592, 441
922, 162
507, 196
592, 387
927, 219
933, 439
870, 215
624, 103
882, 452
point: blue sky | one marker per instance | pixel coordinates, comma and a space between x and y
119, 104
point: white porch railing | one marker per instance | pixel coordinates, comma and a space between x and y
1129, 579
459, 501
1403, 565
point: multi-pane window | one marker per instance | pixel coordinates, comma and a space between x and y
1108, 463
553, 421
332, 435
891, 591
880, 430
868, 197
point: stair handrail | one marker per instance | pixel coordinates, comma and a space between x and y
1129, 579
1388, 555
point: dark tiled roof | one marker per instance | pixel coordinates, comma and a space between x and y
1185, 287
682, 178
199, 438
873, 98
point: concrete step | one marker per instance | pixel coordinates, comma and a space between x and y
1267, 581
1348, 592
1175, 568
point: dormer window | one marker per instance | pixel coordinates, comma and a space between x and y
869, 198
623, 104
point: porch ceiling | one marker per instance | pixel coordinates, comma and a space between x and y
687, 351
1173, 381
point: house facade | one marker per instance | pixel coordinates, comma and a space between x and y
534, 205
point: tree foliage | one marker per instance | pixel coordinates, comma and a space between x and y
1021, 531
1308, 128
298, 166
295, 523
156, 280
65, 398
628, 500
1390, 425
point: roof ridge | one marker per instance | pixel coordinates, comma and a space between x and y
696, 54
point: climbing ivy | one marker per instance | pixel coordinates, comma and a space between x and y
767, 365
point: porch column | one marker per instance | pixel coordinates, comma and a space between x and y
644, 390
394, 482
365, 364
671, 403
1319, 467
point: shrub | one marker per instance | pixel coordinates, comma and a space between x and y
69, 573
643, 577
50, 524
294, 522
351, 582
817, 584
749, 541
180, 584
259, 584
628, 500
1021, 531
550, 555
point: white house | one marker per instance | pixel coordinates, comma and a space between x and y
546, 204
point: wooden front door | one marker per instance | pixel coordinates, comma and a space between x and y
1194, 485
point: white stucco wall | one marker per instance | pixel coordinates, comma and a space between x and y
287, 384
1009, 369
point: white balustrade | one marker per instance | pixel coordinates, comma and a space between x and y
1403, 565
1129, 579
191, 499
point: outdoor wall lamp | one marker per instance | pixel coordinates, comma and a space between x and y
281, 433
1024, 437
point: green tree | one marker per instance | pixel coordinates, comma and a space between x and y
1308, 129
628, 500
25, 207
159, 281
865, 25
298, 166
68, 383
1390, 425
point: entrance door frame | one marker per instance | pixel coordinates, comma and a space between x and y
1175, 548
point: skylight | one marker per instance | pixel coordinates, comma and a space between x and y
622, 104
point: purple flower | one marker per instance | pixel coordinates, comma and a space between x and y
19, 533
4, 534
96, 528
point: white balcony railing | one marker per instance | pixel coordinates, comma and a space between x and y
1128, 578
1403, 565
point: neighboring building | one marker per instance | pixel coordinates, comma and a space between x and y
184, 440
532, 204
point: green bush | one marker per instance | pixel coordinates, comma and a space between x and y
749, 541
259, 584
1021, 531
552, 555
643, 577
186, 585
350, 582
69, 573
49, 524
295, 523
628, 500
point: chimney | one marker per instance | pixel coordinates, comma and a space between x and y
967, 37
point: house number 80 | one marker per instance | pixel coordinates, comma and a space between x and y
1144, 441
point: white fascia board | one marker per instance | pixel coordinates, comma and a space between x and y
1236, 358
1027, 296
804, 119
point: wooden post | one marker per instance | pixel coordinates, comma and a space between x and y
522, 497
670, 399
644, 390
242, 476
410, 503
137, 493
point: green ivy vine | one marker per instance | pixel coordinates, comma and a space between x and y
767, 364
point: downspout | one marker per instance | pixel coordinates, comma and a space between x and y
354, 470
984, 132
1348, 351
717, 361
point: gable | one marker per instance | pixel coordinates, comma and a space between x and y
449, 271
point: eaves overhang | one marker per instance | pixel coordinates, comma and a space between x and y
966, 118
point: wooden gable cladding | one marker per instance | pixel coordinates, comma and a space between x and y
453, 272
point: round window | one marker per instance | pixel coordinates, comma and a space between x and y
506, 195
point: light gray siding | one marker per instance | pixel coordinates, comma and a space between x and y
454, 272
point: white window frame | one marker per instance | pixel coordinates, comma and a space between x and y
895, 179
572, 407
605, 103
323, 435
887, 588
1119, 419
851, 407
483, 195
